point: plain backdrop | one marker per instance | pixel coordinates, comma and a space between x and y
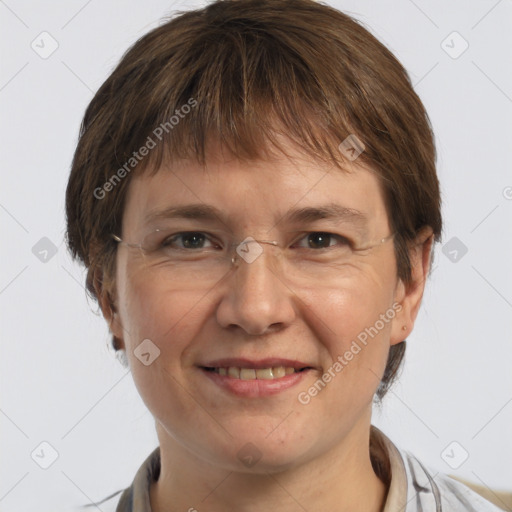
61, 385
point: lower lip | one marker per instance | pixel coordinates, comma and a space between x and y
254, 387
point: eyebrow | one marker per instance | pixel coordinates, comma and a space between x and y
331, 211
190, 211
308, 214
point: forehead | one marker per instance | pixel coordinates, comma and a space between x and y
281, 189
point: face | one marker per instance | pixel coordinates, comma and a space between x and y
255, 316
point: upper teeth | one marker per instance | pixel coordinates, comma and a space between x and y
275, 372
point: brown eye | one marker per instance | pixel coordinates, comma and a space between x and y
319, 240
323, 240
188, 240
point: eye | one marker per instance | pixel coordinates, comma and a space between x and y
323, 240
188, 240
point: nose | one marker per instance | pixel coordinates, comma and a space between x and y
256, 298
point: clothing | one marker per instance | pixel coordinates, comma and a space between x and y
412, 487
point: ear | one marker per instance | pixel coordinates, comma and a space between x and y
409, 295
108, 307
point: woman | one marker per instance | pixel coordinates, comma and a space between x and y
255, 198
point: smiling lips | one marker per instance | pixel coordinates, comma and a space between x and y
271, 373
264, 369
256, 378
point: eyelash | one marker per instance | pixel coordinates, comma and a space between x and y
171, 239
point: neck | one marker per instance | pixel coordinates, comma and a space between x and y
341, 479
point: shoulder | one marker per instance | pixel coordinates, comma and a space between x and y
428, 489
415, 487
134, 498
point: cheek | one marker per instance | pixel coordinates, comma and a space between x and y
354, 322
151, 310
353, 305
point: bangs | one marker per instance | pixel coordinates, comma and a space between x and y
233, 86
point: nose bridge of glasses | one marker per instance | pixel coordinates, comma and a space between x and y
250, 249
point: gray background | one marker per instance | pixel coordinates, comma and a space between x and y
60, 383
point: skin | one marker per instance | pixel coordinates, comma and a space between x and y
313, 457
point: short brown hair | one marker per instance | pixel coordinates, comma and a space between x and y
251, 68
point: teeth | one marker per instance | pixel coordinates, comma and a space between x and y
247, 373
275, 372
264, 374
279, 372
234, 372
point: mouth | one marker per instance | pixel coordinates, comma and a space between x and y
248, 378
243, 373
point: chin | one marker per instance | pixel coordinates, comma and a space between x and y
251, 460
261, 453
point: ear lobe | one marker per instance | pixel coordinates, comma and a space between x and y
409, 295
108, 307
